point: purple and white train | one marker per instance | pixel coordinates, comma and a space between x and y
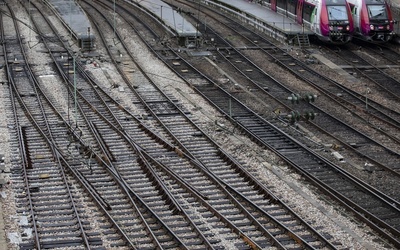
336, 21
373, 20
330, 20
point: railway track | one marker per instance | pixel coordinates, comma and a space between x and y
119, 150
383, 52
109, 195
261, 84
124, 207
47, 195
215, 169
216, 95
322, 172
172, 206
355, 64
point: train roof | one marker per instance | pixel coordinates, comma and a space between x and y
172, 18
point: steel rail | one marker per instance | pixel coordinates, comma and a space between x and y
288, 62
323, 114
376, 110
21, 137
332, 194
102, 201
157, 242
24, 157
374, 73
346, 202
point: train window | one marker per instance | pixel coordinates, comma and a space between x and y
337, 12
354, 10
281, 4
291, 6
307, 11
335, 2
377, 11
374, 2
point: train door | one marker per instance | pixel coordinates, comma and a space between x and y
299, 11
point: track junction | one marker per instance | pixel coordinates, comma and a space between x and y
104, 149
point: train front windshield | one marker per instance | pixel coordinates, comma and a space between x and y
337, 13
377, 12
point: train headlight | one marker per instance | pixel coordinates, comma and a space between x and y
372, 27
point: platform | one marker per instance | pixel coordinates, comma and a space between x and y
75, 20
170, 17
188, 36
277, 25
279, 21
